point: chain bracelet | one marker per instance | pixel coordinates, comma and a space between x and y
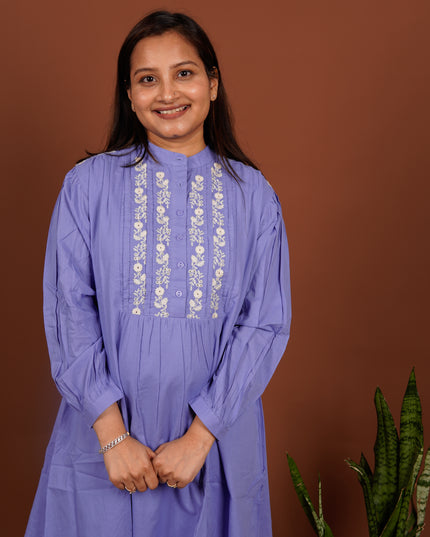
114, 443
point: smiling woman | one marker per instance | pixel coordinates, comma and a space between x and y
167, 309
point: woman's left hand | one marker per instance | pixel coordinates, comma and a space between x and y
179, 461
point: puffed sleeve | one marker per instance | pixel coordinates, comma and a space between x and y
260, 334
73, 333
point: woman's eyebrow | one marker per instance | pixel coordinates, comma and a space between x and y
175, 66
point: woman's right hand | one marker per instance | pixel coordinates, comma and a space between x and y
129, 465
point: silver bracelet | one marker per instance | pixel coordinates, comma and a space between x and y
114, 443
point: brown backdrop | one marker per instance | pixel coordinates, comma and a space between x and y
331, 98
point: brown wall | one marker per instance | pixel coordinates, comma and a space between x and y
332, 99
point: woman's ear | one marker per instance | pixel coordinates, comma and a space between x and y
213, 83
129, 96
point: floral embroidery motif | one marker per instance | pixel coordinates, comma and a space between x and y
218, 238
162, 275
197, 238
139, 235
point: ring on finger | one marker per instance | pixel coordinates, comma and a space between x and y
129, 491
172, 486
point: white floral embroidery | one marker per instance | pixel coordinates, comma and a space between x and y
196, 237
218, 238
162, 275
139, 235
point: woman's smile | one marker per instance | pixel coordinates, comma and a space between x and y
172, 113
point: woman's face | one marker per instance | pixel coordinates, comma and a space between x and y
170, 92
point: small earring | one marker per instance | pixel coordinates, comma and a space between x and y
213, 97
133, 108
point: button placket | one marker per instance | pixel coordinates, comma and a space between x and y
178, 207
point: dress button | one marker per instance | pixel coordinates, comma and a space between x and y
179, 212
178, 293
180, 264
179, 237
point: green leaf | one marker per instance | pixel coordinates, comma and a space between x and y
411, 432
302, 493
404, 510
318, 522
411, 524
418, 531
366, 467
385, 477
390, 527
423, 488
327, 530
368, 497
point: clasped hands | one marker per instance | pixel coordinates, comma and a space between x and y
134, 466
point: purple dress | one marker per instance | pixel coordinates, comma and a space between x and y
167, 289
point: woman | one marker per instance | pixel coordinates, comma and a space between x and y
167, 309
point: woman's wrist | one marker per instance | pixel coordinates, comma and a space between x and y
109, 425
199, 432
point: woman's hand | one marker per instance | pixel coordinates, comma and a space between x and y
179, 461
129, 465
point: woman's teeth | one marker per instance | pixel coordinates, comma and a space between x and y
174, 111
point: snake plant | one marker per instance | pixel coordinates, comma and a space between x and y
389, 490
392, 510
317, 521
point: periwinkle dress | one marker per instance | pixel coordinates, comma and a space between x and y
166, 288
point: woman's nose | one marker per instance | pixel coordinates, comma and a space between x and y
167, 91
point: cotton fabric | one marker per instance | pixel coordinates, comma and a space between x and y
167, 289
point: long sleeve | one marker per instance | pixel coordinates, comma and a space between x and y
73, 332
260, 334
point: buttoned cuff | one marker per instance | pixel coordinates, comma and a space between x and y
95, 407
208, 417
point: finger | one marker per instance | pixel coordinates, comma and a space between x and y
156, 466
181, 484
130, 487
162, 478
159, 449
151, 453
171, 484
118, 484
141, 484
151, 478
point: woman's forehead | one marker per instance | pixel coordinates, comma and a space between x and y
169, 48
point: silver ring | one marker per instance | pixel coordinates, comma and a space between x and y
129, 491
171, 486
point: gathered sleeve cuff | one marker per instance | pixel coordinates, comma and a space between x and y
260, 334
73, 332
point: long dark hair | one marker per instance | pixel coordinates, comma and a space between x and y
126, 130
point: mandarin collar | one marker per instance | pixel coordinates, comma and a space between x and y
171, 158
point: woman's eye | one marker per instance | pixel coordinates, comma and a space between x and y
148, 79
184, 73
